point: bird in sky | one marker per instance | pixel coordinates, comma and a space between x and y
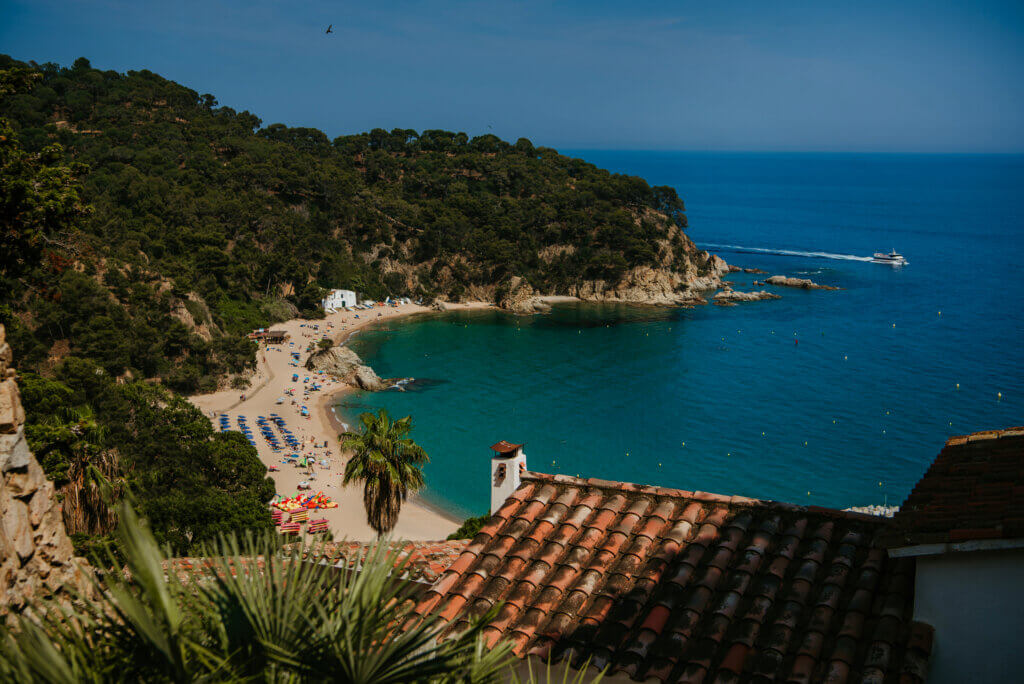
329, 26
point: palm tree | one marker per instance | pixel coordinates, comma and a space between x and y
251, 611
388, 463
90, 477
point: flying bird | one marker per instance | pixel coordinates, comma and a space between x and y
329, 26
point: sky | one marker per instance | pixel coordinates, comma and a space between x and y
893, 76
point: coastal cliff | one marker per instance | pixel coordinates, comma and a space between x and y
681, 277
36, 555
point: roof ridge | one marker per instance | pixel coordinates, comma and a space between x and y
697, 495
955, 440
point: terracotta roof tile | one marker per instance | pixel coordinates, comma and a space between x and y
668, 585
970, 492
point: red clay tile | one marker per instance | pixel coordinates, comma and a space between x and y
966, 494
735, 658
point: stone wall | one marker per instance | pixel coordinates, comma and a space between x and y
36, 556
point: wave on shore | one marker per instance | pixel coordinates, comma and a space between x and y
783, 252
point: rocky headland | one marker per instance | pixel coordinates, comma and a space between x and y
345, 365
676, 281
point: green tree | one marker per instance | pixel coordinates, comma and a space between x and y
388, 463
39, 195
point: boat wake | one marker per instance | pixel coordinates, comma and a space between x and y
784, 252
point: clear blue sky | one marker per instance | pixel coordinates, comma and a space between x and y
899, 75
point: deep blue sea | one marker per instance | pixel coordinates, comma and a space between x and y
835, 398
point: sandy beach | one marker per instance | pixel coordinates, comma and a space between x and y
417, 521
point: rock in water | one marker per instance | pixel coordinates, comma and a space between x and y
731, 296
802, 283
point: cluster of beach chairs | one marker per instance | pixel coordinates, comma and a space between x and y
296, 519
243, 427
266, 427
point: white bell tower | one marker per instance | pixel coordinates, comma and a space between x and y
507, 467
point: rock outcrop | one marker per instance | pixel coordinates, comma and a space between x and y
36, 556
802, 283
521, 298
730, 296
345, 364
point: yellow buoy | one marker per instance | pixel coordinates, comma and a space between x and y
728, 453
659, 465
845, 357
805, 443
894, 325
999, 395
886, 413
958, 385
762, 433
940, 313
684, 443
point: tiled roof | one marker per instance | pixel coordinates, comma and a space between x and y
684, 586
973, 491
504, 447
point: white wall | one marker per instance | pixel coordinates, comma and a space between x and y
975, 602
504, 484
337, 299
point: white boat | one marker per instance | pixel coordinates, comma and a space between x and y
891, 258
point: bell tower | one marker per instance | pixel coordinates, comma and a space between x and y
508, 463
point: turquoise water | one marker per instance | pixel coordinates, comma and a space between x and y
725, 399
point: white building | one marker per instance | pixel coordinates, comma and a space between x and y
338, 299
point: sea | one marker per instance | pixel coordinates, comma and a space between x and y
834, 398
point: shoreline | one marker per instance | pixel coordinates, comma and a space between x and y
418, 520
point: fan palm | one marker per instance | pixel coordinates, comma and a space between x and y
388, 463
87, 475
252, 611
